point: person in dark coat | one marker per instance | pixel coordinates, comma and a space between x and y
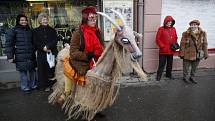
45, 41
166, 35
20, 50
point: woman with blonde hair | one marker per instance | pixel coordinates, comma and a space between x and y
45, 41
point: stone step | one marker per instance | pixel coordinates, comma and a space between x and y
5, 65
9, 79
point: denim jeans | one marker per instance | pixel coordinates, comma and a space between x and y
28, 80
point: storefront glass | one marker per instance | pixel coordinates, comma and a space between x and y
64, 15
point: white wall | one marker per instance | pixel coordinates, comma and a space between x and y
154, 13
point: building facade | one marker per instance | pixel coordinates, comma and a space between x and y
144, 16
183, 11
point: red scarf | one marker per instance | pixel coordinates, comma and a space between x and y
92, 43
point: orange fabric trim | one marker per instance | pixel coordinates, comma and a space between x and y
71, 74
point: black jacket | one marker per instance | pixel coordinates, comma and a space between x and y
45, 36
19, 46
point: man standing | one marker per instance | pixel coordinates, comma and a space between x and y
193, 49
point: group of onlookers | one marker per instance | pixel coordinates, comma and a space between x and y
193, 48
27, 48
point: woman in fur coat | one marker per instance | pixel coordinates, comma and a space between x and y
193, 41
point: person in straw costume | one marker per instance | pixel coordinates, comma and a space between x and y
93, 85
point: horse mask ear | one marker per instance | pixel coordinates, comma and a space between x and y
119, 29
120, 17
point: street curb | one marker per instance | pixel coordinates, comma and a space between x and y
132, 80
9, 85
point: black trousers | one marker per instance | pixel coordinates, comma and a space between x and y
44, 72
165, 60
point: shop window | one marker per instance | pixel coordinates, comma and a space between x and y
64, 16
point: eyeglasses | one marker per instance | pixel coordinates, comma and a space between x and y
92, 17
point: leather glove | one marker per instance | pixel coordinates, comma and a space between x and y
181, 57
90, 55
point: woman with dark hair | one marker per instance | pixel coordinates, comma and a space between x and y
20, 50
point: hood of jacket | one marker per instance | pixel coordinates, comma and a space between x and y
167, 19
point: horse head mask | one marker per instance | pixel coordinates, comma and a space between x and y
125, 36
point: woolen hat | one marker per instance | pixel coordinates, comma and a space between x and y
88, 10
195, 21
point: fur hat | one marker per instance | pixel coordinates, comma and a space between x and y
195, 21
88, 10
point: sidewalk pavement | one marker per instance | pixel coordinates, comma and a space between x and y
131, 79
166, 100
178, 75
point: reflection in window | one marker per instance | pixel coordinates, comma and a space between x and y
64, 16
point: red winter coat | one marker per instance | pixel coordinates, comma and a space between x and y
165, 36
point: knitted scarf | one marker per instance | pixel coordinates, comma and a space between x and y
92, 43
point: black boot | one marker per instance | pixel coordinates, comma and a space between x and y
158, 77
100, 115
186, 80
170, 77
192, 80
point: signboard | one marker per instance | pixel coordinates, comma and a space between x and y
125, 7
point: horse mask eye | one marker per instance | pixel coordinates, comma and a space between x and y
125, 41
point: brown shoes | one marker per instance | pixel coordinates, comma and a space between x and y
190, 80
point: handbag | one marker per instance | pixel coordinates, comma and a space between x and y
200, 54
174, 46
50, 59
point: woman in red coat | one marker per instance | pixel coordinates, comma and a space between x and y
166, 35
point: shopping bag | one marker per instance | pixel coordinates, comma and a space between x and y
50, 59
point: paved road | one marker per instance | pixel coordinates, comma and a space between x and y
168, 100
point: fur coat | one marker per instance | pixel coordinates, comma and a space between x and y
188, 49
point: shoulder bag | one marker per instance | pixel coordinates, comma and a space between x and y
173, 46
199, 53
